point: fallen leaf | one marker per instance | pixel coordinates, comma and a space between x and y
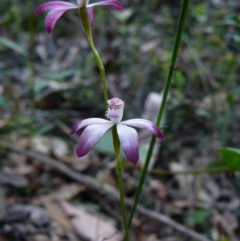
66, 191
90, 225
57, 213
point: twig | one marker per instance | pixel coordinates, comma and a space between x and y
168, 221
193, 171
91, 183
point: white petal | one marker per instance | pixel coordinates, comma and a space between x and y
90, 137
114, 3
87, 122
129, 141
145, 124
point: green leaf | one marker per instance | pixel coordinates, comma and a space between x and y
105, 145
60, 74
224, 238
216, 164
198, 217
39, 86
231, 157
10, 44
179, 80
4, 103
45, 129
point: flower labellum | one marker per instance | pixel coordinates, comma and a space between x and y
95, 128
58, 8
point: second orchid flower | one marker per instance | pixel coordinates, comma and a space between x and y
58, 8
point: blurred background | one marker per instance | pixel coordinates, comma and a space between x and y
50, 82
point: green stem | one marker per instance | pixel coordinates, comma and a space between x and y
86, 24
31, 55
176, 46
116, 144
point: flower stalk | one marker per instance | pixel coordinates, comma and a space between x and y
116, 144
176, 46
87, 27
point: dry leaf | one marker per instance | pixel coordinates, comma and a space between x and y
57, 213
90, 225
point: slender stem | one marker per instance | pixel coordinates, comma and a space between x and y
176, 46
116, 144
102, 71
31, 55
86, 24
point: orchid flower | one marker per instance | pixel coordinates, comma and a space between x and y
58, 8
97, 127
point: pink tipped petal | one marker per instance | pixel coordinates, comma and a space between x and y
52, 18
129, 141
90, 136
90, 15
145, 124
54, 5
87, 122
113, 3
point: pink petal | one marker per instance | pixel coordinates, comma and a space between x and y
145, 124
129, 141
52, 18
90, 137
90, 15
113, 3
87, 122
54, 5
